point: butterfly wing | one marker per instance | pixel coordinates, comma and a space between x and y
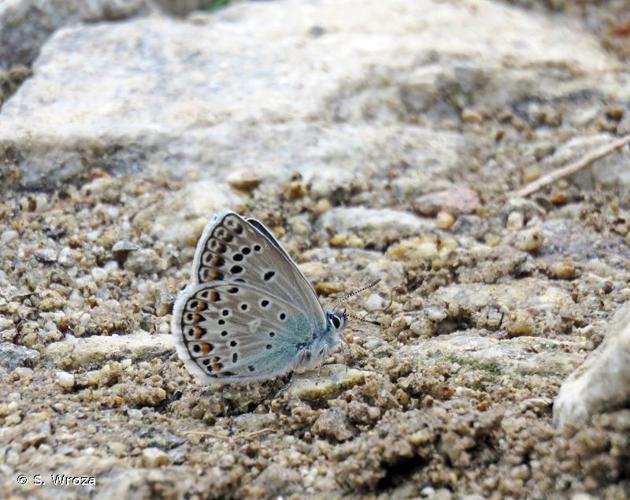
237, 332
249, 310
234, 249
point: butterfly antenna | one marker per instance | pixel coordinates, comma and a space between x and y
347, 296
371, 321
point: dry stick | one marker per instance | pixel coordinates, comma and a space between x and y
583, 162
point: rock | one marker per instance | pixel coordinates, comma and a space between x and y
184, 213
244, 180
529, 240
93, 351
515, 221
145, 261
444, 220
13, 356
564, 269
569, 239
6, 324
372, 220
524, 307
46, 255
27, 24
427, 246
154, 457
276, 116
374, 302
124, 246
99, 275
121, 250
65, 380
456, 200
332, 424
324, 383
67, 257
8, 236
276, 480
515, 357
346, 240
603, 382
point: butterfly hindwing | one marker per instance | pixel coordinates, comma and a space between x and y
235, 332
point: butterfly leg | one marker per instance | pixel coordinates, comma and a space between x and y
287, 379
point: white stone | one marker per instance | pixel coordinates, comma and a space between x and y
94, 351
65, 379
603, 381
275, 121
99, 274
375, 220
8, 236
374, 302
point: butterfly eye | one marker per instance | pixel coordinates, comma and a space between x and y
335, 322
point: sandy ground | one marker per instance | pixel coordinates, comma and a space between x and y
486, 304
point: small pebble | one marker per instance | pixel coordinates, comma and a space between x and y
13, 419
456, 200
244, 180
296, 190
145, 261
522, 325
515, 221
65, 380
470, 116
46, 255
134, 413
322, 206
421, 328
154, 457
8, 236
530, 240
444, 220
562, 270
348, 240
66, 257
124, 246
374, 302
99, 274
436, 313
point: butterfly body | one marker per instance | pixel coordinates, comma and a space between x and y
249, 313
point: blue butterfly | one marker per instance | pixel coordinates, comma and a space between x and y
249, 313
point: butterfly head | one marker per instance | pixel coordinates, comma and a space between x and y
336, 320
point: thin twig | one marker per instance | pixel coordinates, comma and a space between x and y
206, 433
256, 433
583, 162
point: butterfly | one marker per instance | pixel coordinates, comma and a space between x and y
249, 313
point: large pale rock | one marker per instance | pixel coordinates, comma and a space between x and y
254, 86
373, 220
326, 382
528, 307
522, 356
94, 351
25, 25
603, 381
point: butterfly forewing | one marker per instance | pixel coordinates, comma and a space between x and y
232, 249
